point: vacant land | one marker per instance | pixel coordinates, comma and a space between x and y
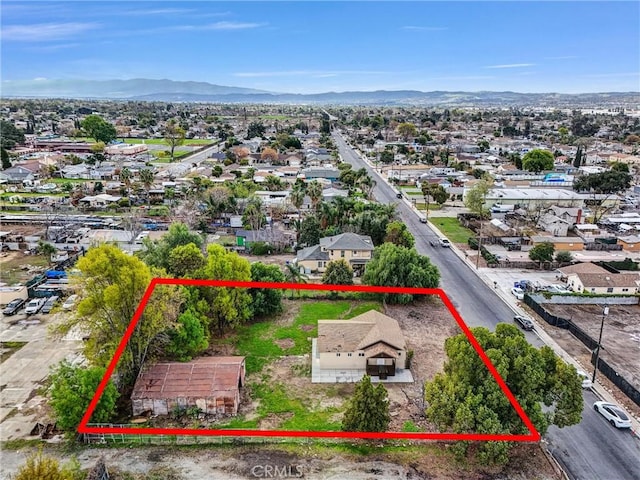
16, 267
279, 393
316, 461
620, 340
452, 229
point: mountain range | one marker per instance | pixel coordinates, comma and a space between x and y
179, 91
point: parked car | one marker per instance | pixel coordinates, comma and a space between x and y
444, 242
613, 413
49, 303
518, 293
524, 322
586, 380
70, 302
13, 306
34, 306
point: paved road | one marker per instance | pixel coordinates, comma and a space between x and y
590, 450
177, 169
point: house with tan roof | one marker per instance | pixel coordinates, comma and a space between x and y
371, 343
612, 283
356, 250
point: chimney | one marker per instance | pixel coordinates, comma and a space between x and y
579, 217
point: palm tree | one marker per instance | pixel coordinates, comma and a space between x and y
147, 178
327, 215
293, 275
367, 184
314, 190
125, 176
297, 197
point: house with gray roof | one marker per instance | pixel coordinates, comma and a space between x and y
18, 174
355, 249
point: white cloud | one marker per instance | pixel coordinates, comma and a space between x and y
512, 65
41, 32
416, 28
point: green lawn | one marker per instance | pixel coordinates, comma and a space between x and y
257, 341
452, 229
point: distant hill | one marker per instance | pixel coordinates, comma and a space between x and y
114, 89
173, 91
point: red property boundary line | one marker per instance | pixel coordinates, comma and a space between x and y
533, 435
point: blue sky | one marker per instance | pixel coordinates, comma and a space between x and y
309, 47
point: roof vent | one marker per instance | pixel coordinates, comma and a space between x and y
608, 278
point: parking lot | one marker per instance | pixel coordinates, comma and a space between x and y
24, 369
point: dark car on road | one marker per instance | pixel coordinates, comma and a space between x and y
13, 306
524, 322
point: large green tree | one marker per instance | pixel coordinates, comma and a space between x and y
72, 389
475, 198
399, 234
396, 266
543, 252
266, 301
185, 260
368, 409
157, 253
10, 135
407, 130
174, 136
467, 399
602, 186
225, 307
538, 160
113, 284
98, 129
189, 337
338, 272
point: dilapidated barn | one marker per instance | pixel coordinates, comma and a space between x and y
211, 384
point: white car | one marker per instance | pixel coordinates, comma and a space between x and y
518, 293
584, 378
70, 302
444, 242
34, 306
613, 413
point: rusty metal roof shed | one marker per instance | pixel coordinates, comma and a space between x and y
202, 377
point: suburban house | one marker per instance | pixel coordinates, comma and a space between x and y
620, 283
560, 243
98, 201
586, 268
211, 384
570, 215
554, 225
329, 173
371, 343
355, 249
630, 243
18, 174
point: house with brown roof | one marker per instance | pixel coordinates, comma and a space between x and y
211, 384
612, 283
371, 343
586, 267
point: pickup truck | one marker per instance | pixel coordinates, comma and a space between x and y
34, 305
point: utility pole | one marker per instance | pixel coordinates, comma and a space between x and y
605, 312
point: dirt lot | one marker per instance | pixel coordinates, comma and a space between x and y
620, 341
313, 462
16, 267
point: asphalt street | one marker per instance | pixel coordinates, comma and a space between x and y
590, 450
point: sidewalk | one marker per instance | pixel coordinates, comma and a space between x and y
512, 302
